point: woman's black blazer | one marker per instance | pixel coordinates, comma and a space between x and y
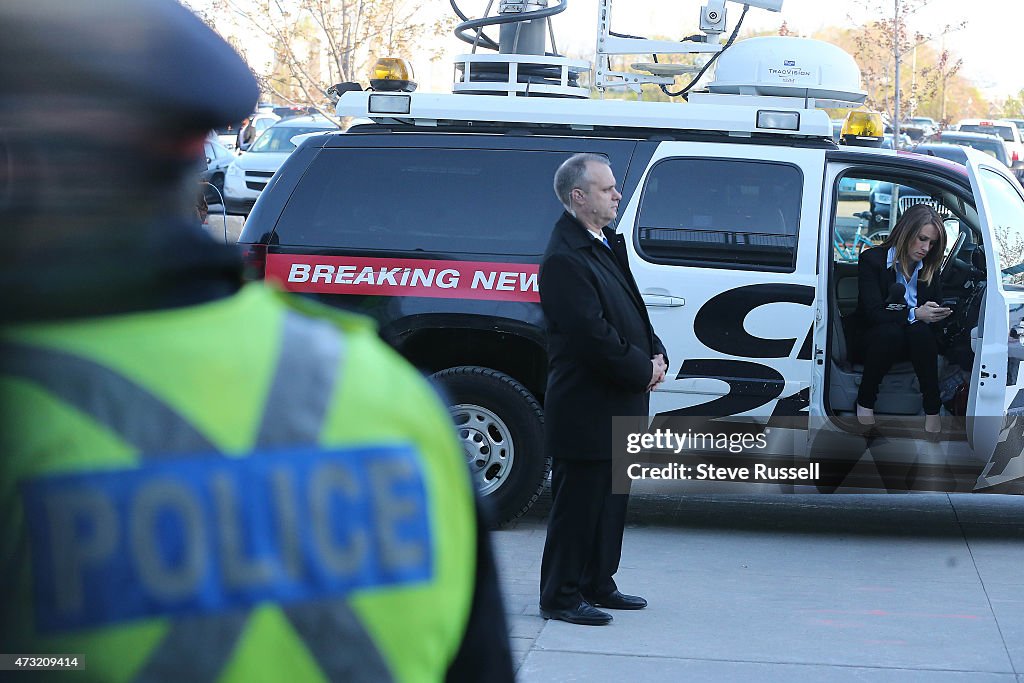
874, 281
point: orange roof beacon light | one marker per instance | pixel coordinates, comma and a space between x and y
392, 74
862, 129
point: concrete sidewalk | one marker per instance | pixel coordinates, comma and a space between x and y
789, 588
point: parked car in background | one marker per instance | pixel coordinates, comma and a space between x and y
261, 121
855, 188
950, 152
983, 142
927, 124
889, 142
1019, 123
880, 202
288, 111
914, 132
888, 201
227, 135
249, 173
1007, 130
218, 158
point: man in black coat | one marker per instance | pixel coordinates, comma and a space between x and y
604, 359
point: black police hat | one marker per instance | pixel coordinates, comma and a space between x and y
154, 55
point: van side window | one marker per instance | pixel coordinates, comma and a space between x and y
718, 213
425, 200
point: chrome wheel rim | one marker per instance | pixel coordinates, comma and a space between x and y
487, 443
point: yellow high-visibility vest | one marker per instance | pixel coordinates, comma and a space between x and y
251, 489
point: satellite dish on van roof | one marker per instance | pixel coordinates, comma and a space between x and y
783, 66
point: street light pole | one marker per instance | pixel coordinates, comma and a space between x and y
896, 95
945, 76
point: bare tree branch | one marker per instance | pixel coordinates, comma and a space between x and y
320, 42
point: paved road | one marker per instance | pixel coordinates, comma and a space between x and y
922, 587
219, 224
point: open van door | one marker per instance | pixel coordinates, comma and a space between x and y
1000, 206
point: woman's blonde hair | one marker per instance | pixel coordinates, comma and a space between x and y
907, 229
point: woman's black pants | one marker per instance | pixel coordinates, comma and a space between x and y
887, 344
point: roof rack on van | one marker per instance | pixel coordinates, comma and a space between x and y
736, 114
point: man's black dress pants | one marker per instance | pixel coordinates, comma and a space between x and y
584, 541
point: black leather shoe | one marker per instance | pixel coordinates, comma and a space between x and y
617, 600
583, 614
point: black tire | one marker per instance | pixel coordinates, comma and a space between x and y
501, 427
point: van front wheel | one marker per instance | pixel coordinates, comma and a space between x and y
500, 426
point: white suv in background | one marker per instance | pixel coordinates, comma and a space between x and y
261, 122
249, 173
228, 135
1005, 129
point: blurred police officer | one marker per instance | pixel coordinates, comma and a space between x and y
201, 481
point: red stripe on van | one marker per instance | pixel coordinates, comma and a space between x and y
405, 277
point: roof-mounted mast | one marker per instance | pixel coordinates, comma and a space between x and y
523, 66
712, 25
772, 85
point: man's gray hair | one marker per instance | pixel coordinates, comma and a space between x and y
572, 174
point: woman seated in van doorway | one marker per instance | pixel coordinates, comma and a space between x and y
899, 286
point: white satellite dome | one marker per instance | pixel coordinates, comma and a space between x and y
784, 66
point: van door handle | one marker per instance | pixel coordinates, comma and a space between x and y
701, 385
663, 300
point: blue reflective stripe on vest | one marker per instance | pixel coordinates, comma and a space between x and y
207, 535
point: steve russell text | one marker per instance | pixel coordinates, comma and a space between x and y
758, 472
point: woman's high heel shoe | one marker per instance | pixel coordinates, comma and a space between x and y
866, 416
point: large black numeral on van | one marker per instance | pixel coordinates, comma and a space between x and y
719, 326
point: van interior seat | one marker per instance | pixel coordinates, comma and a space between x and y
899, 393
